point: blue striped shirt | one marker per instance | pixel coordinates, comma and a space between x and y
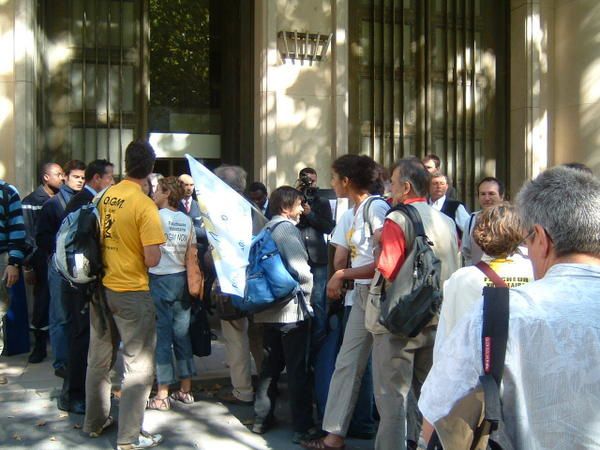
12, 227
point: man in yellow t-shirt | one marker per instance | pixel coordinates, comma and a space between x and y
131, 234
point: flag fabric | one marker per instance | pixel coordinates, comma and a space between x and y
228, 222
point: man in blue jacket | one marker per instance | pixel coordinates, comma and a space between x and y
75, 301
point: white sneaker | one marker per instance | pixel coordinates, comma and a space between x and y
146, 440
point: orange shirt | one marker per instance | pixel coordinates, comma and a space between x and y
129, 222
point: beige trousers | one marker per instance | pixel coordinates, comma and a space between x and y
242, 337
350, 365
398, 364
128, 317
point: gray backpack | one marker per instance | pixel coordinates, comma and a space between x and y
78, 256
408, 314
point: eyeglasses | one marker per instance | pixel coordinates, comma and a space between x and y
527, 237
530, 235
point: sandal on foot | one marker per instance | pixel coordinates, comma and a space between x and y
96, 433
184, 397
160, 404
320, 445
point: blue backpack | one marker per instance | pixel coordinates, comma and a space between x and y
268, 281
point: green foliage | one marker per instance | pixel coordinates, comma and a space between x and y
179, 53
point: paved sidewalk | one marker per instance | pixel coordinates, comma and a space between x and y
29, 418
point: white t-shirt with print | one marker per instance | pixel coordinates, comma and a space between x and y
351, 233
338, 237
178, 232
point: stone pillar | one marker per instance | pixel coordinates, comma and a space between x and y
302, 108
531, 92
17, 94
577, 93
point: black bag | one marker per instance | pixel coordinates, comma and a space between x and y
200, 330
490, 433
408, 314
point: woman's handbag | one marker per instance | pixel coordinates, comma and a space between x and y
195, 276
200, 330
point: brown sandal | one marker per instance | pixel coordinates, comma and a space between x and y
160, 404
320, 444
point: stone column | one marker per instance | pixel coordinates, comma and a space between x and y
577, 80
531, 92
17, 94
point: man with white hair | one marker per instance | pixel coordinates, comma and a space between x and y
551, 382
242, 337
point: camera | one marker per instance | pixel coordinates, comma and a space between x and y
305, 186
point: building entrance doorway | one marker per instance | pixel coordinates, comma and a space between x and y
165, 70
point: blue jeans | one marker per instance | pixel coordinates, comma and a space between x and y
58, 319
172, 303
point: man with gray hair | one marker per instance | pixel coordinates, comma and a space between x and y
234, 176
400, 363
241, 336
550, 383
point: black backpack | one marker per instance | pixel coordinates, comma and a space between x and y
408, 314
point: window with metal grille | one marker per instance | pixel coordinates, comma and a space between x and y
90, 78
430, 76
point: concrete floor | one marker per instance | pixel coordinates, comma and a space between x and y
29, 418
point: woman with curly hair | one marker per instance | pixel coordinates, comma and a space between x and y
169, 290
352, 177
499, 233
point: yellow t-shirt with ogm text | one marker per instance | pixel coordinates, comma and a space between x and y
129, 221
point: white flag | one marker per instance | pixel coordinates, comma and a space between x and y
228, 222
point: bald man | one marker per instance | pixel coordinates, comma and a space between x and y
190, 206
35, 266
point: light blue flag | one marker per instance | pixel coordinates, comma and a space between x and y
228, 222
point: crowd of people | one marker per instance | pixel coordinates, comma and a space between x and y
348, 373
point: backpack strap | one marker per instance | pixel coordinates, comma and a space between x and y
413, 215
98, 197
494, 337
489, 272
61, 200
275, 225
366, 208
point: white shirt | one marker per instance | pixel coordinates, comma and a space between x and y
178, 233
461, 216
351, 233
464, 288
551, 383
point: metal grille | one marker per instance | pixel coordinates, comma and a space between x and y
91, 78
421, 83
